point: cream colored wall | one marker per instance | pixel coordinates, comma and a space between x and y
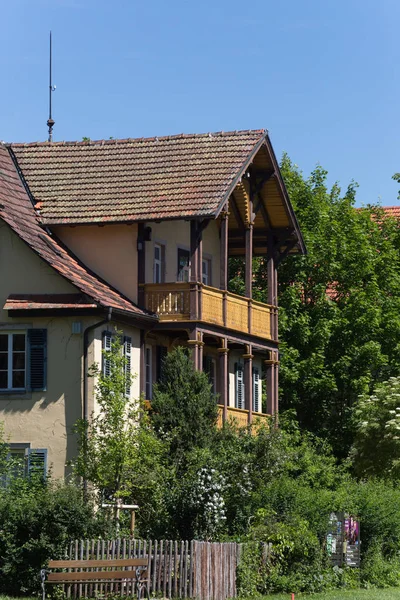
43, 419
174, 235
110, 251
234, 357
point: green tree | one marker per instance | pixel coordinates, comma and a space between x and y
339, 305
396, 177
376, 448
184, 410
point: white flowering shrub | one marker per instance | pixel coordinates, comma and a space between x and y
208, 501
376, 449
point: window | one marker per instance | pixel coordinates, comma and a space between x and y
12, 361
25, 461
207, 271
159, 263
239, 386
108, 339
23, 360
256, 389
183, 265
209, 367
148, 373
128, 364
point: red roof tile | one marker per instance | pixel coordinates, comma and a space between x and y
17, 211
392, 211
48, 301
135, 179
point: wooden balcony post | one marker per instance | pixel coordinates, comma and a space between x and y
194, 345
199, 270
200, 346
141, 254
272, 284
223, 377
194, 263
248, 382
271, 368
223, 272
249, 260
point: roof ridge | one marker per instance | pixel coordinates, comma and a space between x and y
139, 139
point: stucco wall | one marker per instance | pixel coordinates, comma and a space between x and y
45, 419
110, 251
174, 235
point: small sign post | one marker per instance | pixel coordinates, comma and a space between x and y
118, 505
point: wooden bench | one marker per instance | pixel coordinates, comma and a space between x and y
108, 571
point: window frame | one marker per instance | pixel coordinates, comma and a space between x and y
148, 372
206, 273
160, 262
10, 352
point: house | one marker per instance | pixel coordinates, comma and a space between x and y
135, 234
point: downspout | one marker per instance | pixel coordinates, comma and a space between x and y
85, 365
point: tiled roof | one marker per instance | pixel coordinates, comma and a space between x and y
392, 211
17, 211
135, 179
47, 301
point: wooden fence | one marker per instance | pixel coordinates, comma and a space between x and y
202, 570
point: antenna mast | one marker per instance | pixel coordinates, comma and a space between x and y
50, 121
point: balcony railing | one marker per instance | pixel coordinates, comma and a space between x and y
240, 416
195, 301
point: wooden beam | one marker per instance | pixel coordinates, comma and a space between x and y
236, 212
223, 277
282, 255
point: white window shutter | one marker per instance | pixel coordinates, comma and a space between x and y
256, 389
37, 462
128, 364
239, 376
107, 341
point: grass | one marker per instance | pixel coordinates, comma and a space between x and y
381, 594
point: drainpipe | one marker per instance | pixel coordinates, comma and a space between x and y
85, 365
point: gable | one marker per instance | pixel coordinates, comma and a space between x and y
23, 272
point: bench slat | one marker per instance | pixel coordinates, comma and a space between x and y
78, 564
92, 575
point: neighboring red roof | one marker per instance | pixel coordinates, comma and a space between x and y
47, 301
392, 211
135, 179
17, 211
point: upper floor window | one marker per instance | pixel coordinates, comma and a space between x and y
159, 263
207, 271
12, 361
183, 265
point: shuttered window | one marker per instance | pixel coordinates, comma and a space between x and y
12, 361
106, 365
37, 463
148, 372
256, 389
37, 356
128, 364
239, 386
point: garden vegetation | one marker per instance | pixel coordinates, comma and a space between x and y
337, 447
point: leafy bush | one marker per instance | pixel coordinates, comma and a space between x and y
37, 521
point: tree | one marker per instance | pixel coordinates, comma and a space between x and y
184, 410
339, 305
376, 448
396, 177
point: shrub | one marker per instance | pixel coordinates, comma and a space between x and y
37, 521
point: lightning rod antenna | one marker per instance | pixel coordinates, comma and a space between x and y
50, 121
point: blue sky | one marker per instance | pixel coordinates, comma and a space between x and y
322, 76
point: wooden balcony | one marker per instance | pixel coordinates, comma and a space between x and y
198, 302
240, 416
